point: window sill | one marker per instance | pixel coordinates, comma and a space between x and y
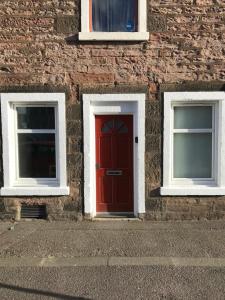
34, 191
193, 191
113, 36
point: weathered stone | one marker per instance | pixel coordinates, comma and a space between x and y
157, 23
152, 168
193, 86
72, 206
2, 206
152, 143
75, 166
153, 216
75, 160
74, 112
54, 208
67, 24
153, 204
74, 129
75, 145
153, 126
153, 109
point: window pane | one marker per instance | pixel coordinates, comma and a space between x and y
190, 117
192, 155
35, 117
114, 15
36, 155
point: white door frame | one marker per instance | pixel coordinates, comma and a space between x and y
109, 104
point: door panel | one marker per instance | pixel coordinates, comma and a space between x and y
114, 163
122, 195
106, 151
122, 151
106, 186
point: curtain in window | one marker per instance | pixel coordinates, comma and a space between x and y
114, 15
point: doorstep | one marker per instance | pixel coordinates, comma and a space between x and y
115, 216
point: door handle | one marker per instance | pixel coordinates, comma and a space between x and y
114, 172
97, 166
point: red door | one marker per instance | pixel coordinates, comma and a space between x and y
114, 163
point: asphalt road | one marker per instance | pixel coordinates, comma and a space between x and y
112, 283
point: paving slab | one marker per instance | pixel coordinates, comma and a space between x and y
59, 262
119, 239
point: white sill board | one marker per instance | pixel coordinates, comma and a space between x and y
113, 36
192, 191
34, 191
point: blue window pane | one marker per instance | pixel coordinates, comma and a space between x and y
114, 15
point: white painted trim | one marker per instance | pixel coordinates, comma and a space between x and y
140, 35
142, 16
192, 191
85, 15
34, 191
113, 36
11, 185
94, 104
191, 187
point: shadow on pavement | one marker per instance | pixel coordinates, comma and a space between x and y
39, 292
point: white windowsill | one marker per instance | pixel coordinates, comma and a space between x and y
34, 191
192, 191
113, 36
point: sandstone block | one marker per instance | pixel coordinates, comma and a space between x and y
67, 24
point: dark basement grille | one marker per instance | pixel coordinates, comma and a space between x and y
33, 211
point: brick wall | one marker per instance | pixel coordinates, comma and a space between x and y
40, 51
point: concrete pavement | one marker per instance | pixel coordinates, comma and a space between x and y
43, 239
99, 261
4, 226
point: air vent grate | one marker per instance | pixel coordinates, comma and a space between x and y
33, 211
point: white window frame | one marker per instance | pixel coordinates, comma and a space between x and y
213, 131
13, 185
198, 186
87, 35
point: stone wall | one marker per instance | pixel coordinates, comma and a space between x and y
40, 51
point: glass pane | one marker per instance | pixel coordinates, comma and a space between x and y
190, 117
123, 129
118, 124
108, 126
114, 15
105, 128
35, 117
192, 155
36, 155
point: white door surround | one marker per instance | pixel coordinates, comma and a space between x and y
105, 104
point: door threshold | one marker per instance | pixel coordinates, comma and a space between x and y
124, 216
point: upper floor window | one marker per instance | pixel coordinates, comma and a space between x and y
114, 15
113, 20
